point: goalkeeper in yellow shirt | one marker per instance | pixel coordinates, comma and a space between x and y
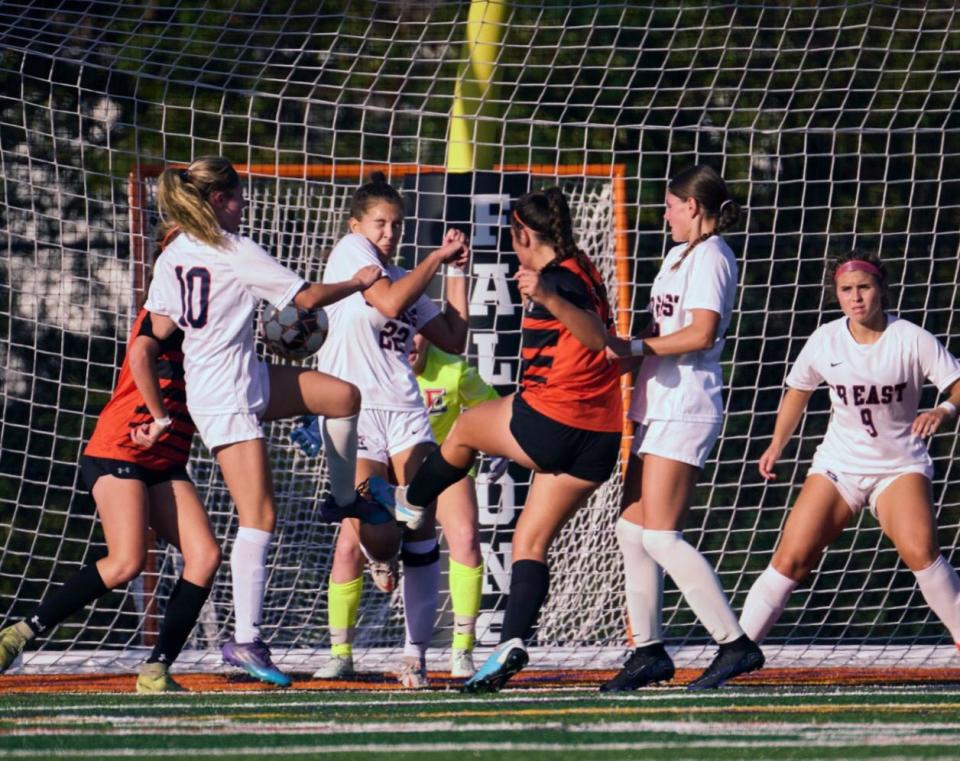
447, 384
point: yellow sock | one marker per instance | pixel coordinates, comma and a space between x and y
343, 602
466, 587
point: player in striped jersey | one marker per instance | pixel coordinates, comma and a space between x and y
564, 423
678, 410
208, 282
448, 384
136, 488
873, 454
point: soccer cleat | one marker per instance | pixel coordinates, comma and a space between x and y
505, 661
364, 507
734, 658
13, 640
413, 673
154, 678
254, 658
461, 664
412, 515
338, 667
385, 574
646, 665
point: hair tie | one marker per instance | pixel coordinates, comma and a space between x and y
185, 175
858, 265
724, 204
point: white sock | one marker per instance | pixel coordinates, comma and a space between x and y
644, 585
248, 566
340, 448
940, 586
421, 593
765, 603
696, 580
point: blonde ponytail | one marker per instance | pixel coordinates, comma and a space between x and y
183, 197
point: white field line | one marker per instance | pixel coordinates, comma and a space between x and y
399, 699
839, 731
482, 747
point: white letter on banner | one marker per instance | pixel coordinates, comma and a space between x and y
497, 577
486, 221
491, 286
495, 515
489, 625
493, 372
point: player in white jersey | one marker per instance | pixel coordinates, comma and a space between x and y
678, 411
873, 453
369, 344
208, 282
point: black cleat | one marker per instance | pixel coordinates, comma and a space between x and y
647, 665
734, 658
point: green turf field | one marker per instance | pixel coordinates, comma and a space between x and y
733, 723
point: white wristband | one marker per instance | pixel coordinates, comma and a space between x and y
163, 422
637, 347
453, 270
950, 407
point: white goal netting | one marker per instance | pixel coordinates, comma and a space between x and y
835, 124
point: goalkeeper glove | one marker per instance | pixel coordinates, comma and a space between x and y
307, 435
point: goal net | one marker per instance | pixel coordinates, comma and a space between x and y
835, 126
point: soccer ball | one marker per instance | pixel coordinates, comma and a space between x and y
294, 333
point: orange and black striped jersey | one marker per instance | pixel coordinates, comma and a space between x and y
559, 376
127, 410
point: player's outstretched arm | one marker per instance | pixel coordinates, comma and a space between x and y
320, 294
792, 407
928, 423
448, 330
392, 299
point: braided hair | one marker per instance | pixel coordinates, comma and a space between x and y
376, 189
705, 185
546, 213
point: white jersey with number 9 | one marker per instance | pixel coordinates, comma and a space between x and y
875, 392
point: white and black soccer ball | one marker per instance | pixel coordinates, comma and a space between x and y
294, 333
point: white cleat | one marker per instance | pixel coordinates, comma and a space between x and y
338, 667
461, 664
413, 673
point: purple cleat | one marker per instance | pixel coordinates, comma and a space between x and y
254, 658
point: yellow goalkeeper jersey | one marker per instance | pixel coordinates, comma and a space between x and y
448, 384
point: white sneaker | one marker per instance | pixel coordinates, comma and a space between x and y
461, 664
385, 574
338, 667
413, 673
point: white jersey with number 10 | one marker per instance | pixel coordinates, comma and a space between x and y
875, 392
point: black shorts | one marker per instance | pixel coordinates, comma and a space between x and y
559, 448
91, 468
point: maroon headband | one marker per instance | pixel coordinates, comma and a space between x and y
858, 265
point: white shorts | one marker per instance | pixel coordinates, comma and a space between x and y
221, 428
384, 433
683, 441
860, 490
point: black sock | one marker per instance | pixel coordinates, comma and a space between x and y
529, 582
80, 590
742, 642
433, 478
183, 609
